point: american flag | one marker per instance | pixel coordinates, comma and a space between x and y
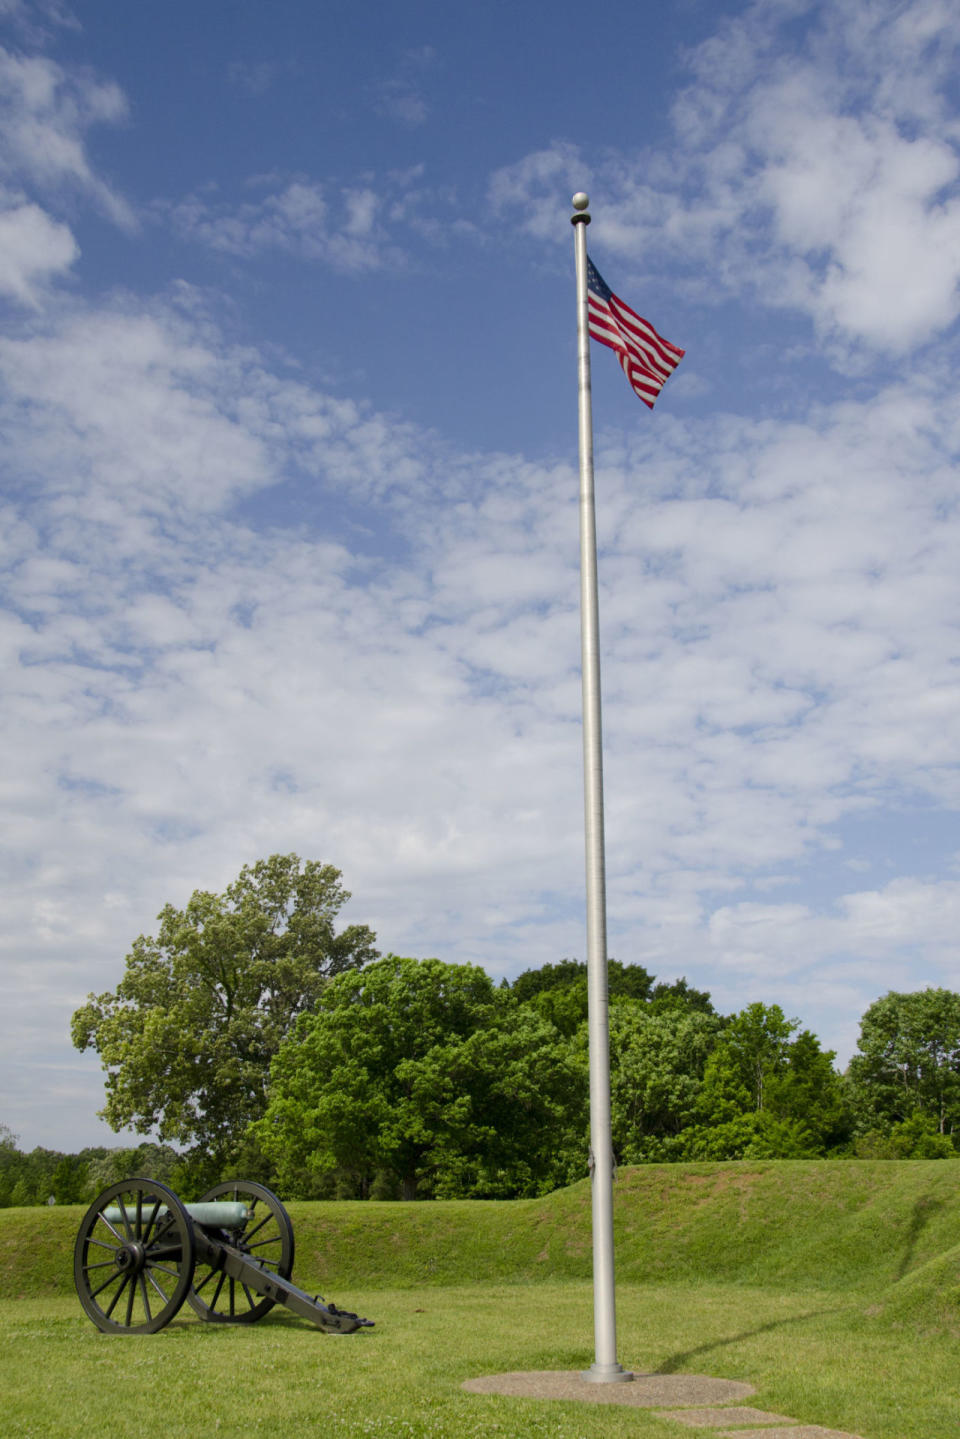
648, 360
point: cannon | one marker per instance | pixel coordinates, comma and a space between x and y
140, 1252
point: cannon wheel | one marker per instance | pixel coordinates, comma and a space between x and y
267, 1236
134, 1269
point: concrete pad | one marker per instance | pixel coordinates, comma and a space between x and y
732, 1414
799, 1431
644, 1391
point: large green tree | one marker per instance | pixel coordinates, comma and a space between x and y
657, 1063
559, 991
769, 1091
908, 1064
425, 1070
188, 1035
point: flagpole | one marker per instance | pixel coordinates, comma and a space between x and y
605, 1369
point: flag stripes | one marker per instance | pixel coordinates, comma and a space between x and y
647, 359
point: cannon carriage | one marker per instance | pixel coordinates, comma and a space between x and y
141, 1252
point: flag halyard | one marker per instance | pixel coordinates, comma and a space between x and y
647, 359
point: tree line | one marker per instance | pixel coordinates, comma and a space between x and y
48, 1176
254, 1037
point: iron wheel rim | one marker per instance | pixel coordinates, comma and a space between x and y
135, 1261
266, 1236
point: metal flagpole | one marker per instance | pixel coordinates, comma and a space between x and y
605, 1369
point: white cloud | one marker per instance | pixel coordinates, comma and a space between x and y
869, 215
401, 97
352, 228
344, 227
127, 411
35, 20
44, 114
820, 172
33, 249
532, 189
871, 924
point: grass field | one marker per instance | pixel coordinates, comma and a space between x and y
834, 1288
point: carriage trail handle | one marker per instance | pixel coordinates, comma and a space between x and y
273, 1286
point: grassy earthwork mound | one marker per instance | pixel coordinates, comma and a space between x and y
887, 1228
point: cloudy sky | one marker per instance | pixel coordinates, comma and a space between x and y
290, 552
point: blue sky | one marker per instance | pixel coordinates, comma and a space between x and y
288, 407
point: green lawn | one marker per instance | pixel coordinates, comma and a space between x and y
812, 1359
833, 1288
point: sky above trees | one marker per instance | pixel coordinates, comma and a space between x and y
288, 407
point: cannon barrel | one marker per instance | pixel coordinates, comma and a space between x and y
218, 1214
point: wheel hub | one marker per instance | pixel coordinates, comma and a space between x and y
131, 1258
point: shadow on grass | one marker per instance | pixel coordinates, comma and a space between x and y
923, 1211
680, 1360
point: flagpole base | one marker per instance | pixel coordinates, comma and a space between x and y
606, 1374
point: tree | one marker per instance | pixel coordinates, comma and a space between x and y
752, 1051
69, 1180
549, 976
768, 1092
810, 1092
908, 1061
106, 1166
680, 995
913, 1138
757, 1135
29, 1178
9, 1163
425, 1070
657, 1062
188, 1035
559, 991
22, 1193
